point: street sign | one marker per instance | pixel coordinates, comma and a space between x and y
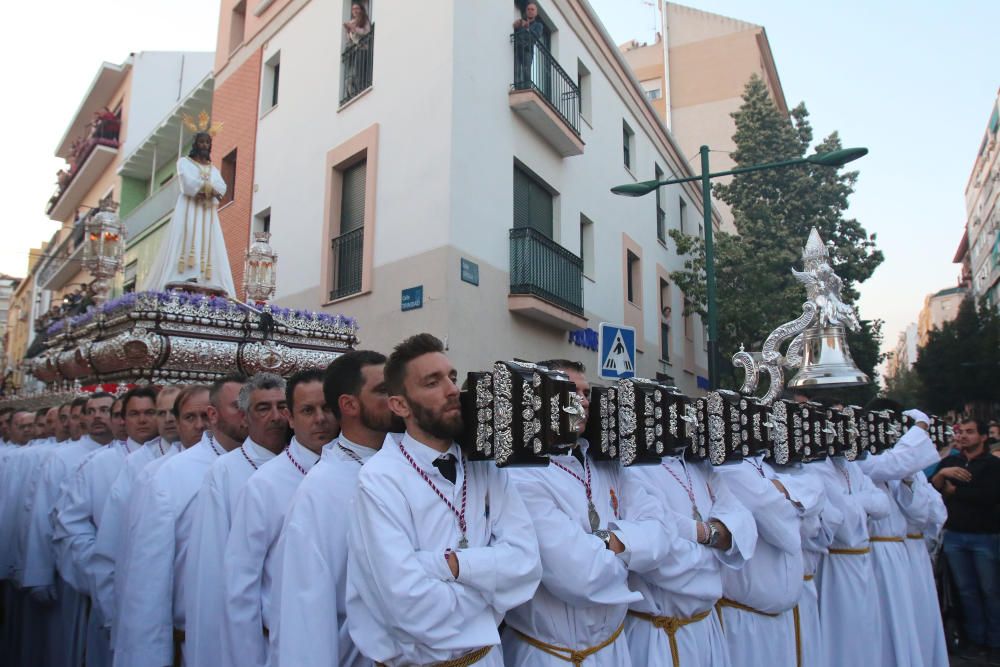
616, 351
412, 298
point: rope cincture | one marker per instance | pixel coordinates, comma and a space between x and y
576, 658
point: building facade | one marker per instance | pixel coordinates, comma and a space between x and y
939, 308
904, 355
478, 209
982, 193
694, 74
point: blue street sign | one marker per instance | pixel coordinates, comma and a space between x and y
412, 298
616, 358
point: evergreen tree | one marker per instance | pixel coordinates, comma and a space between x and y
773, 211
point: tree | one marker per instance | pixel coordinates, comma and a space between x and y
960, 363
905, 387
774, 211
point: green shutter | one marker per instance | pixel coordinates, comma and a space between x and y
532, 204
352, 207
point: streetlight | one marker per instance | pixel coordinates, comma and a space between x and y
832, 159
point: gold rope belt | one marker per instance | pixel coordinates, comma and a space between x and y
461, 661
798, 635
568, 654
726, 602
808, 577
884, 538
178, 647
850, 552
914, 536
670, 625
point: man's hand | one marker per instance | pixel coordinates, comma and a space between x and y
725, 537
615, 544
955, 474
452, 559
948, 489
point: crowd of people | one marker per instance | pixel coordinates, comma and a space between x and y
333, 520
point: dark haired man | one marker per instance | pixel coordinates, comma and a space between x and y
5, 415
595, 527
153, 601
970, 484
262, 402
250, 553
118, 421
77, 418
309, 623
440, 548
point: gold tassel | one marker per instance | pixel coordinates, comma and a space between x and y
208, 252
194, 232
180, 258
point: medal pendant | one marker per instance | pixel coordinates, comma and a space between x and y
695, 514
595, 518
463, 543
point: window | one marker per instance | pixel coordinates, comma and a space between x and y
632, 277
237, 24
661, 215
347, 249
532, 203
652, 88
688, 324
654, 94
131, 271
583, 83
262, 221
228, 171
665, 312
269, 86
587, 246
682, 215
628, 144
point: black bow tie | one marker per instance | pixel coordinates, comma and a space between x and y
446, 466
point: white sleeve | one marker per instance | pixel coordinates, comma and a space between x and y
40, 564
108, 544
204, 606
74, 533
912, 453
246, 549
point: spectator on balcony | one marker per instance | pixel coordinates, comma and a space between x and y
527, 30
358, 59
359, 25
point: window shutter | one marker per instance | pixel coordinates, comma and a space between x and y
352, 207
532, 204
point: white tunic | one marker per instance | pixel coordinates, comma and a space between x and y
32, 467
771, 582
14, 480
848, 597
307, 593
152, 601
111, 537
914, 451
249, 554
404, 607
213, 513
689, 580
584, 595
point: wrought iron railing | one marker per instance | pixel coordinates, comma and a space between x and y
356, 62
347, 260
541, 267
536, 69
57, 257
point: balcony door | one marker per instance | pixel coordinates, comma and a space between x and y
532, 204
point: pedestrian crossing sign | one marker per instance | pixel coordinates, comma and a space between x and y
617, 351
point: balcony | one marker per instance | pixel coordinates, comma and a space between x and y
151, 210
546, 280
89, 158
544, 95
64, 262
346, 262
356, 65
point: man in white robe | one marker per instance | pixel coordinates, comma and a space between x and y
581, 604
152, 603
262, 402
250, 554
849, 605
675, 624
430, 577
309, 617
141, 409
65, 609
756, 607
194, 248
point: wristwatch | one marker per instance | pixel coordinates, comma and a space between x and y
714, 534
605, 536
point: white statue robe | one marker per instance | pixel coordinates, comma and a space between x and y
111, 537
689, 580
194, 247
213, 512
584, 595
309, 617
250, 555
820, 521
65, 620
152, 600
404, 607
849, 605
771, 581
925, 514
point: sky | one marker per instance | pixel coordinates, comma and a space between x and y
910, 81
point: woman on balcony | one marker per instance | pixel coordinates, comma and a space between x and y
357, 72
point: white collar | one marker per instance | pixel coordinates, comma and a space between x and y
302, 455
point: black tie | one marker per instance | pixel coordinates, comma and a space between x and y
578, 454
446, 466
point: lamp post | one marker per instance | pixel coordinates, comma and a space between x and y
831, 159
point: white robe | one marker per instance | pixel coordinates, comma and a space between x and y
195, 235
153, 594
204, 603
584, 595
309, 621
913, 452
689, 580
250, 555
848, 598
111, 537
925, 514
771, 582
404, 606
